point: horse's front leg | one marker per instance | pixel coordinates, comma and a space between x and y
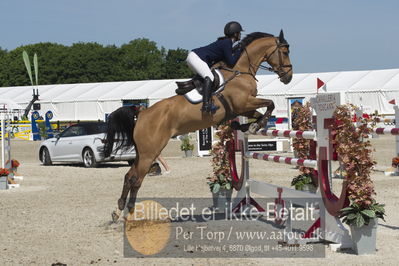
250, 115
254, 103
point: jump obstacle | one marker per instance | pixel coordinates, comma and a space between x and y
391, 131
6, 115
327, 226
5, 146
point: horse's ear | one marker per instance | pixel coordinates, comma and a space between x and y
281, 37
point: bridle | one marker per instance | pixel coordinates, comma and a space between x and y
252, 68
279, 70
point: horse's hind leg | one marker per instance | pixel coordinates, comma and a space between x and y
135, 183
125, 191
149, 148
133, 180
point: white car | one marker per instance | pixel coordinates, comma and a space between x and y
81, 143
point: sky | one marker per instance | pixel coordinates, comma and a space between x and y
324, 36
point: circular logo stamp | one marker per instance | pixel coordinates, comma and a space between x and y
148, 228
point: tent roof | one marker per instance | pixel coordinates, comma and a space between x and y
10, 105
349, 81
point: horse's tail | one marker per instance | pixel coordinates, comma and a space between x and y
120, 128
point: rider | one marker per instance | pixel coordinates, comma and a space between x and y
201, 59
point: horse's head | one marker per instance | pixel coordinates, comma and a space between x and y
278, 58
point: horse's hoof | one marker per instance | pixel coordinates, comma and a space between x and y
235, 125
121, 204
253, 128
244, 127
115, 216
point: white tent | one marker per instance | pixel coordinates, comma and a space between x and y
89, 101
371, 89
9, 105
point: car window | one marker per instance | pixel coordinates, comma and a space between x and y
74, 131
96, 128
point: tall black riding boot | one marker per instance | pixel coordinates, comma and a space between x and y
206, 94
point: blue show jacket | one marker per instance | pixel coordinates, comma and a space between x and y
221, 50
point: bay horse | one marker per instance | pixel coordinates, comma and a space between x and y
150, 130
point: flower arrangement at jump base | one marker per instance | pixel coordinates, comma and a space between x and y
186, 146
301, 120
355, 155
394, 169
220, 182
5, 173
13, 168
221, 177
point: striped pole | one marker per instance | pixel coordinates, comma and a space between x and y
386, 131
281, 159
288, 133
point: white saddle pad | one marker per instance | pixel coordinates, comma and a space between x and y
195, 97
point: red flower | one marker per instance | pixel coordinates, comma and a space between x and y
14, 163
395, 161
4, 172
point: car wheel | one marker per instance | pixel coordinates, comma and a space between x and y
89, 160
45, 157
130, 162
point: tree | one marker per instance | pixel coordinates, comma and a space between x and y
12, 69
3, 56
175, 66
141, 59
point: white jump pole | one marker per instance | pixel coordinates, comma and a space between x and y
3, 134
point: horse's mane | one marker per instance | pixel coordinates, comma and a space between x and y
254, 36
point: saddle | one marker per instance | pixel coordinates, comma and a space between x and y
192, 91
196, 82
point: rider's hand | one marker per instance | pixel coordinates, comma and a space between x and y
238, 46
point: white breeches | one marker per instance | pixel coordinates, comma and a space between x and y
196, 64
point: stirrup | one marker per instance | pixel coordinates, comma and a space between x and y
206, 108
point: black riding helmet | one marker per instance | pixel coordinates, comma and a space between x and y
231, 28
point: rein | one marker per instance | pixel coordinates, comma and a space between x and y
236, 74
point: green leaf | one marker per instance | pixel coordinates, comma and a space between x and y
36, 67
347, 209
368, 213
359, 221
228, 186
379, 208
27, 65
216, 188
352, 216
